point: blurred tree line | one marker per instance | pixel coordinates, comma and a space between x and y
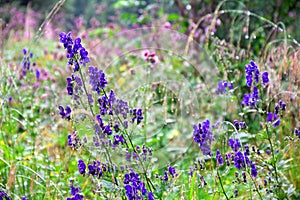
128, 12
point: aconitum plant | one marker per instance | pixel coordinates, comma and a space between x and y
112, 122
253, 168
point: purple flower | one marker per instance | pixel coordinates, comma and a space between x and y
95, 169
134, 187
265, 78
3, 195
251, 99
73, 140
273, 118
235, 193
239, 160
137, 115
90, 98
73, 49
253, 170
235, 145
97, 79
203, 136
219, 158
222, 85
75, 192
81, 167
70, 86
118, 139
65, 113
172, 171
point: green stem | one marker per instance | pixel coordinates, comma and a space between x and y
219, 177
84, 87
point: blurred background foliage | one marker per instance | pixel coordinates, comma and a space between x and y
129, 12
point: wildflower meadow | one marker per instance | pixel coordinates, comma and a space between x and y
124, 99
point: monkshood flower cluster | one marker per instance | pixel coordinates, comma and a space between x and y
241, 158
111, 121
4, 195
203, 136
74, 50
135, 188
26, 63
223, 87
75, 192
273, 117
253, 78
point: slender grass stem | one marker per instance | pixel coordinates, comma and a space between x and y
220, 180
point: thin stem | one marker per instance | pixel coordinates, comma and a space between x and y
219, 177
84, 87
273, 156
255, 186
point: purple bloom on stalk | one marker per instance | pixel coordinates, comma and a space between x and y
235, 193
107, 130
137, 115
235, 145
239, 160
81, 167
24, 198
118, 139
134, 187
70, 86
273, 118
73, 140
97, 79
222, 85
4, 195
265, 77
65, 113
75, 192
95, 169
172, 171
219, 158
203, 136
253, 170
73, 49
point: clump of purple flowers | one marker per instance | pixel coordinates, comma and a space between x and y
75, 192
203, 136
73, 140
251, 98
4, 195
65, 112
223, 87
74, 50
97, 79
135, 188
252, 71
170, 172
219, 158
239, 125
252, 78
241, 159
273, 118
26, 61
